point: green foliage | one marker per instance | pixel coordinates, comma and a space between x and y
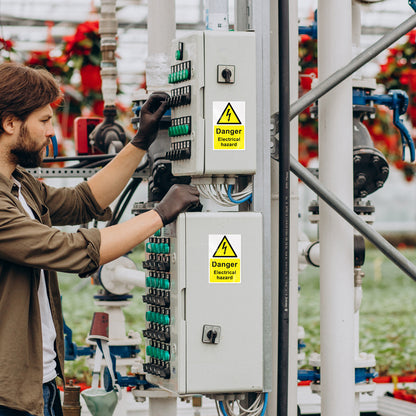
387, 314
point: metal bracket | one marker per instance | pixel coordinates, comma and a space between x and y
74, 172
274, 142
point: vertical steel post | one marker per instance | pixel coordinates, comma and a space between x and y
262, 185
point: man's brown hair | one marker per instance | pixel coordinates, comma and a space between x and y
24, 90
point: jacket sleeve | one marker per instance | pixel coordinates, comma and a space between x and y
30, 243
71, 206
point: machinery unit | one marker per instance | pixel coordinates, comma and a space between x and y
213, 101
204, 296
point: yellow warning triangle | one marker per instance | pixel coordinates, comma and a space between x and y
229, 116
224, 249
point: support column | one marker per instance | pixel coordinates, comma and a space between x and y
161, 30
336, 236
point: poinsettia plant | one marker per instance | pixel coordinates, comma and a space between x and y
308, 126
397, 72
6, 49
56, 64
83, 53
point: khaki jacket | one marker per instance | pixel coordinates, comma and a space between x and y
26, 246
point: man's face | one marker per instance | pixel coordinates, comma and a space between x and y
34, 136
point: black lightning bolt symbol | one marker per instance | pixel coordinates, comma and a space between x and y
228, 114
224, 247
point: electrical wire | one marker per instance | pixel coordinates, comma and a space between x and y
239, 201
124, 200
224, 196
257, 408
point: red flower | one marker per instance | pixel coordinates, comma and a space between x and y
98, 108
305, 38
90, 78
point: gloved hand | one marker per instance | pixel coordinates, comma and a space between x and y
178, 199
150, 115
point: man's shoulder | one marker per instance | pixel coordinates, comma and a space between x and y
23, 176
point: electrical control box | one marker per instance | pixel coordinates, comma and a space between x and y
204, 300
213, 104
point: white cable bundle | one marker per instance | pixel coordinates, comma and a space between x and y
254, 410
219, 194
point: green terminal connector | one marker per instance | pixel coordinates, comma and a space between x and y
180, 130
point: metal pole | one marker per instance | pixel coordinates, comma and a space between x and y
262, 178
336, 237
161, 30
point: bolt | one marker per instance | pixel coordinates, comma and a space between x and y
357, 159
361, 179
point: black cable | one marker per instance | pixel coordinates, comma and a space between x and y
136, 182
284, 209
124, 199
97, 164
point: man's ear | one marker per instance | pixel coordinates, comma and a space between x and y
10, 124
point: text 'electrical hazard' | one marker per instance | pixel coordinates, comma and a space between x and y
229, 123
224, 262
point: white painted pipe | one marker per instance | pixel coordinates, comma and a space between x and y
358, 297
162, 406
130, 277
358, 290
336, 237
120, 276
309, 253
161, 30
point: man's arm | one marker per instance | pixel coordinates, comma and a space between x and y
107, 184
119, 239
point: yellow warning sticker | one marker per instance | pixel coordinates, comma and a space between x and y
229, 125
224, 258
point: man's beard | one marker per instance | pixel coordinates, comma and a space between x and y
24, 154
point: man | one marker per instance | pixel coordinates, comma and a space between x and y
31, 251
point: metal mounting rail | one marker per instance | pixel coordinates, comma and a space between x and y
73, 172
62, 172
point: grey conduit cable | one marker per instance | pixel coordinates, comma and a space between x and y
284, 210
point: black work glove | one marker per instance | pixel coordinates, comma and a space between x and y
178, 199
150, 115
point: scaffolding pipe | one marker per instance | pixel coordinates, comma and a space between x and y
357, 222
363, 58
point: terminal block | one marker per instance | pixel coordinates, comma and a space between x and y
204, 316
157, 299
214, 82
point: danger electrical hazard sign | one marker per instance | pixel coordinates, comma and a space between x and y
229, 124
224, 258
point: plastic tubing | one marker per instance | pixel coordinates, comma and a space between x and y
240, 201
